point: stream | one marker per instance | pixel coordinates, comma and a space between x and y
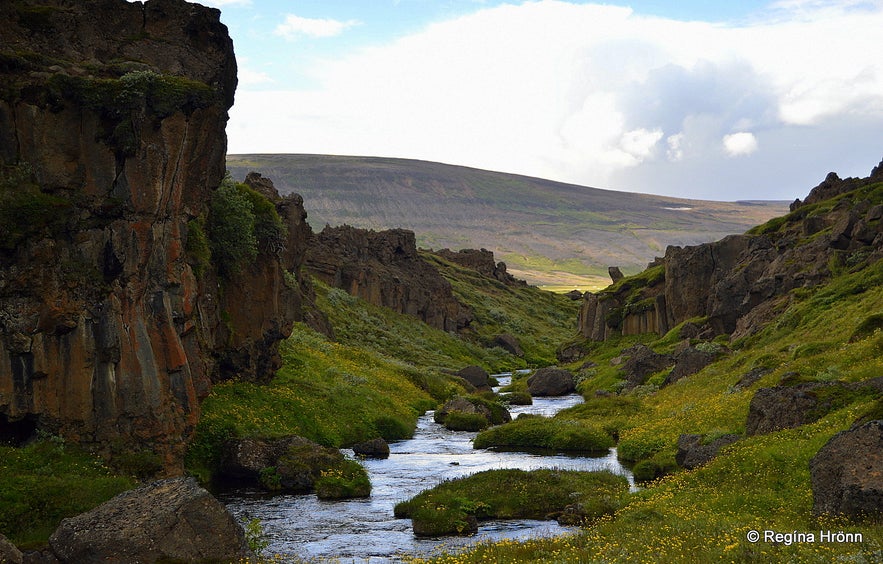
364, 530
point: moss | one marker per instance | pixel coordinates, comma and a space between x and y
26, 211
544, 433
459, 421
198, 250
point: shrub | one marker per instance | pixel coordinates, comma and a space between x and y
232, 228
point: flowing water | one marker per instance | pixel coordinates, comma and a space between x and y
364, 530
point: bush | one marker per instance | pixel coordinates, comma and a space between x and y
231, 228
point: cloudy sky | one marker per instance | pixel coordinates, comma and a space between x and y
694, 98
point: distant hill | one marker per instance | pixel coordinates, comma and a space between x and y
549, 233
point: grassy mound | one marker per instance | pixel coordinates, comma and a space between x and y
546, 433
454, 507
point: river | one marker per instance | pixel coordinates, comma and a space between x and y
364, 530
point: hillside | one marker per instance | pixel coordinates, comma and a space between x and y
548, 233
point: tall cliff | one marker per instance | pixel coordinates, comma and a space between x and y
735, 285
114, 317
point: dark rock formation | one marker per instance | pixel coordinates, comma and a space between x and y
642, 362
551, 382
509, 343
171, 520
693, 453
112, 119
383, 268
286, 464
9, 554
846, 473
481, 261
741, 282
689, 361
475, 375
375, 448
615, 273
493, 413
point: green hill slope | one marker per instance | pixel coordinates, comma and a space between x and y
547, 232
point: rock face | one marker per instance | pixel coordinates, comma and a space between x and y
783, 407
171, 520
383, 268
9, 554
739, 283
551, 382
112, 144
482, 261
642, 362
846, 473
693, 453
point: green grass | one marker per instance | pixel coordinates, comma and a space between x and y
758, 483
510, 494
47, 481
544, 433
540, 320
330, 393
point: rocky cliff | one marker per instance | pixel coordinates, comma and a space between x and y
115, 318
735, 285
384, 268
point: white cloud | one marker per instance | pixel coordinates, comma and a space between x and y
297, 26
740, 144
584, 93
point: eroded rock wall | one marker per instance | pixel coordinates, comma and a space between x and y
384, 268
112, 118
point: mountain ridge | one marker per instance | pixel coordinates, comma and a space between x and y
548, 232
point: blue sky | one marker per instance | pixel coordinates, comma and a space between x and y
716, 100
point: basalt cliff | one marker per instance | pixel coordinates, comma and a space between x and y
735, 285
116, 316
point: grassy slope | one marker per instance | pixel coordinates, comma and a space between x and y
548, 232
384, 369
760, 482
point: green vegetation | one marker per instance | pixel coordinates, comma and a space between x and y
453, 507
330, 393
541, 432
47, 481
828, 334
27, 211
541, 320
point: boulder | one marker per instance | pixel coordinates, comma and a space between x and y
690, 361
782, 407
493, 412
551, 382
846, 473
509, 344
375, 448
9, 554
692, 453
243, 459
475, 375
171, 520
642, 362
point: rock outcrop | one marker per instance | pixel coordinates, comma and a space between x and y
9, 554
114, 321
375, 448
846, 473
476, 376
551, 381
169, 520
482, 261
741, 282
384, 268
693, 452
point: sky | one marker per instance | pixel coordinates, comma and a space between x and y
704, 99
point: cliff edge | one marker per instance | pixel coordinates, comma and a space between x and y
115, 318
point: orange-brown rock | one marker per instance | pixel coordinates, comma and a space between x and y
112, 118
